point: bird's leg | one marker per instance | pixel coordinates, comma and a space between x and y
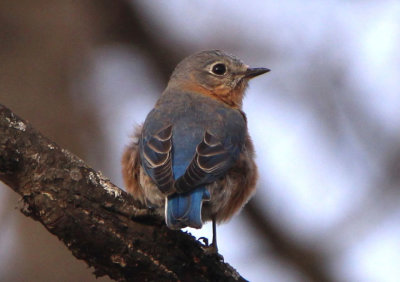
213, 248
214, 245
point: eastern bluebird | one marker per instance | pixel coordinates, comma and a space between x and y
193, 159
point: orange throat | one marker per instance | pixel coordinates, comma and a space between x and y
231, 97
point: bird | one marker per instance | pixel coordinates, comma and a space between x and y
192, 160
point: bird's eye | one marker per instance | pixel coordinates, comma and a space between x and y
219, 69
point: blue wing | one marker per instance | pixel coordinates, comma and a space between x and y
209, 163
211, 160
156, 158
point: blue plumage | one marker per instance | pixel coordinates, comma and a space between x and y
194, 120
185, 209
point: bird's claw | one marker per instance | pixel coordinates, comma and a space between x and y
210, 249
205, 241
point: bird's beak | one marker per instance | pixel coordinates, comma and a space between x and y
253, 72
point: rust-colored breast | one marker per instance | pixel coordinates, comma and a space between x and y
223, 93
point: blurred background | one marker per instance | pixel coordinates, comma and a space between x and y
325, 122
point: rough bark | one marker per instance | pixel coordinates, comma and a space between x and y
97, 221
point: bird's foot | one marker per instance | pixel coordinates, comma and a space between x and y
210, 249
204, 240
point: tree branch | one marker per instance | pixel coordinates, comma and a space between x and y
96, 220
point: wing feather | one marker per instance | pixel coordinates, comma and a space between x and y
210, 161
157, 159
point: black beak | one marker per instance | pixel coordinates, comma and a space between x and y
253, 72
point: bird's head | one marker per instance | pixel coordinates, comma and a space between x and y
215, 74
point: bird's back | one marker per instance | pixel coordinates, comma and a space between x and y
192, 116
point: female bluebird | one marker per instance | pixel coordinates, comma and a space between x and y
193, 159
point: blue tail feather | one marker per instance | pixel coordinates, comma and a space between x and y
184, 210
